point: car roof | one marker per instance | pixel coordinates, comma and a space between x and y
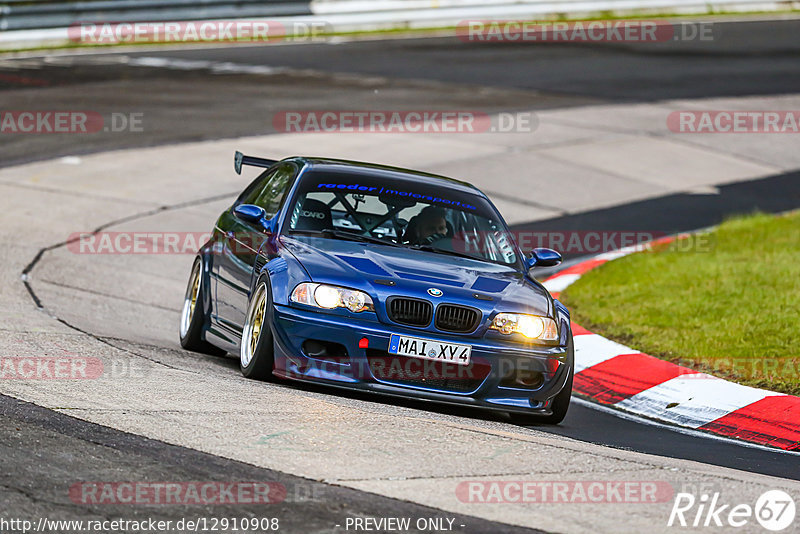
375, 170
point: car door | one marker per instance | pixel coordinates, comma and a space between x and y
241, 241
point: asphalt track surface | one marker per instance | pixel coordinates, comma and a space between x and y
220, 106
68, 446
747, 58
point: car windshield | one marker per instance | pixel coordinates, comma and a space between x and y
400, 213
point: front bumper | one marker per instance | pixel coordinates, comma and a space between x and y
487, 383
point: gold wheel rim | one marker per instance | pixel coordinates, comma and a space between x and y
254, 326
190, 300
258, 322
195, 293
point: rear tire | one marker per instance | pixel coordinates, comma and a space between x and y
560, 404
193, 315
257, 349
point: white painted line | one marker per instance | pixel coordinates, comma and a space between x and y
613, 254
214, 66
558, 283
680, 430
693, 400
591, 349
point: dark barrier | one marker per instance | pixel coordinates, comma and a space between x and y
35, 14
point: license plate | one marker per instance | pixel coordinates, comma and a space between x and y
429, 350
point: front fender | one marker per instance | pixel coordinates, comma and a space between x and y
206, 258
284, 272
562, 317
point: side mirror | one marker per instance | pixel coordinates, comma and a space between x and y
543, 257
254, 215
238, 159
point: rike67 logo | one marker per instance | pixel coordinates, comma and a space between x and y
774, 510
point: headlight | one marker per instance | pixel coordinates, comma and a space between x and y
330, 297
530, 326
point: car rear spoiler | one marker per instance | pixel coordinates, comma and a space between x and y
240, 159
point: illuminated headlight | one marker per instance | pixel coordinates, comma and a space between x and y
530, 326
330, 297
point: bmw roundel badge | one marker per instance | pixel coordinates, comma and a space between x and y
435, 292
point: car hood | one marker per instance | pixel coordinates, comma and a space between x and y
364, 266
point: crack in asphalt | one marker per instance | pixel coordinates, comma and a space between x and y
26, 272
33, 498
81, 194
103, 341
520, 435
530, 203
107, 295
141, 215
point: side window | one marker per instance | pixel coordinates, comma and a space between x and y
270, 195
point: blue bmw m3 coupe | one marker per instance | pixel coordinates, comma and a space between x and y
380, 279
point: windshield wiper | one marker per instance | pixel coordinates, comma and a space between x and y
361, 237
347, 235
430, 248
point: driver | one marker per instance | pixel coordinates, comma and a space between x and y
430, 225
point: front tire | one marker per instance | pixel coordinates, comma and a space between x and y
560, 402
257, 350
193, 315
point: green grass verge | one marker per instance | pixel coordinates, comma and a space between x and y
709, 15
730, 306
